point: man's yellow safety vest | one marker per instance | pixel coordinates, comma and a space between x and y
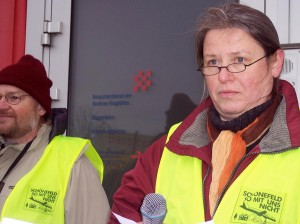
38, 197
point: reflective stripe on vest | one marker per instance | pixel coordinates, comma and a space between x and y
38, 197
265, 192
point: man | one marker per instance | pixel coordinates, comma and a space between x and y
45, 177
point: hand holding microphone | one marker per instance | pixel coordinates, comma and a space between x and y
153, 209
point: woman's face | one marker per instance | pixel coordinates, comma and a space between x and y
235, 93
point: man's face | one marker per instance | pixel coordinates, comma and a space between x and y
20, 121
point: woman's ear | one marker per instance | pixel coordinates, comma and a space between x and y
277, 62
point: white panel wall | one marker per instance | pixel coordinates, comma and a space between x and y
257, 4
56, 56
291, 69
34, 27
285, 14
278, 12
295, 21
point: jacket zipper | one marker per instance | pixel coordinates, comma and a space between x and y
203, 184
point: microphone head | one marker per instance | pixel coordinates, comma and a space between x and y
153, 209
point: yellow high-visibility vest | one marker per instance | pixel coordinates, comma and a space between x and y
38, 197
265, 192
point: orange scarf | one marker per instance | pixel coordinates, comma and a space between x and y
229, 147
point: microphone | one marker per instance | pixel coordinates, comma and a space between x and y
153, 209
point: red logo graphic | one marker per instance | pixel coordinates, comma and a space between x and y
142, 80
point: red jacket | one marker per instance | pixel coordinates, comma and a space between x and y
191, 139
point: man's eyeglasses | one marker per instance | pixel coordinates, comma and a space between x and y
233, 68
13, 98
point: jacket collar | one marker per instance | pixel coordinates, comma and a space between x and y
191, 137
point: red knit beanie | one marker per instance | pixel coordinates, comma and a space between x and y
29, 74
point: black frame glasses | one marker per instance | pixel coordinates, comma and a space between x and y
233, 68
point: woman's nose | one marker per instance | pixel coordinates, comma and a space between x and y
224, 75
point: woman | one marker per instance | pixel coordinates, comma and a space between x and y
230, 160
